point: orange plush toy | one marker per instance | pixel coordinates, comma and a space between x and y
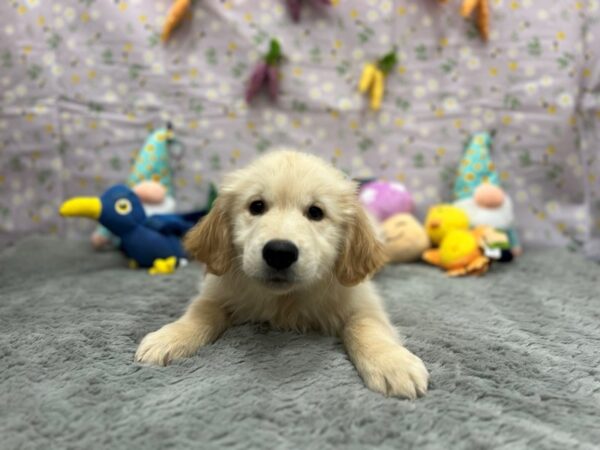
482, 9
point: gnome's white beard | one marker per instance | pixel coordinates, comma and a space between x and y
501, 218
167, 206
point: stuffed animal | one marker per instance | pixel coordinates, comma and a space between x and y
150, 242
151, 178
459, 249
478, 193
459, 254
443, 218
404, 238
383, 199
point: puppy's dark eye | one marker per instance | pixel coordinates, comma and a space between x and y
257, 207
315, 213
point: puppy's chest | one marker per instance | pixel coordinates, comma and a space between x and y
285, 312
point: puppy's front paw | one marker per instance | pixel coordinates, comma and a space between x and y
173, 341
395, 372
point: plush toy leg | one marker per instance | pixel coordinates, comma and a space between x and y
163, 266
432, 256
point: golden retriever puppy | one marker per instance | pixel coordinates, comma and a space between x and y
288, 243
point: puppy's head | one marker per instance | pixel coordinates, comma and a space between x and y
287, 221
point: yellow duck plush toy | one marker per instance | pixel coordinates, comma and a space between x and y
459, 251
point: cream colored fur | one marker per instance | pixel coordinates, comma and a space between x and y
328, 288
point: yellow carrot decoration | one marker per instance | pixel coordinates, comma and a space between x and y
377, 90
366, 80
174, 17
373, 76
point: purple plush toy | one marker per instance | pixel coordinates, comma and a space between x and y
383, 199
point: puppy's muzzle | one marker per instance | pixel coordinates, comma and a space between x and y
280, 254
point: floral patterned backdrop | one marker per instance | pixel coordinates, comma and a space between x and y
82, 82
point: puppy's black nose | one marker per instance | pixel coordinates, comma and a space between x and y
280, 254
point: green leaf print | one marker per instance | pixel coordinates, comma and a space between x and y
215, 162
315, 55
134, 71
239, 69
6, 58
95, 107
511, 102
365, 144
43, 176
419, 160
421, 52
365, 34
153, 39
449, 66
16, 164
34, 72
565, 60
195, 106
525, 159
260, 37
262, 145
343, 67
211, 56
403, 104
54, 41
298, 106
115, 163
107, 56
534, 48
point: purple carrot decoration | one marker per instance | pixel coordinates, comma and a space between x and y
295, 6
259, 76
266, 74
273, 82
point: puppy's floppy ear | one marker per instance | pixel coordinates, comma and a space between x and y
362, 254
210, 240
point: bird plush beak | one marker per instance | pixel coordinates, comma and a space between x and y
90, 207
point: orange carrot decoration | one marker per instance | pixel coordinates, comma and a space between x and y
483, 14
174, 17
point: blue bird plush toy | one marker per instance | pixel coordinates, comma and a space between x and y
152, 242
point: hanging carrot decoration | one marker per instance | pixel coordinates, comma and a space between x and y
295, 6
482, 9
176, 13
483, 15
373, 76
266, 74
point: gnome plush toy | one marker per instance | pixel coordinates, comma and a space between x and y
151, 179
477, 191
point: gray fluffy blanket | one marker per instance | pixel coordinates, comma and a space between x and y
514, 361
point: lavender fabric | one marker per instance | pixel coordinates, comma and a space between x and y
82, 82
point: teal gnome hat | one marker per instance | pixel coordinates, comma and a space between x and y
152, 160
476, 167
